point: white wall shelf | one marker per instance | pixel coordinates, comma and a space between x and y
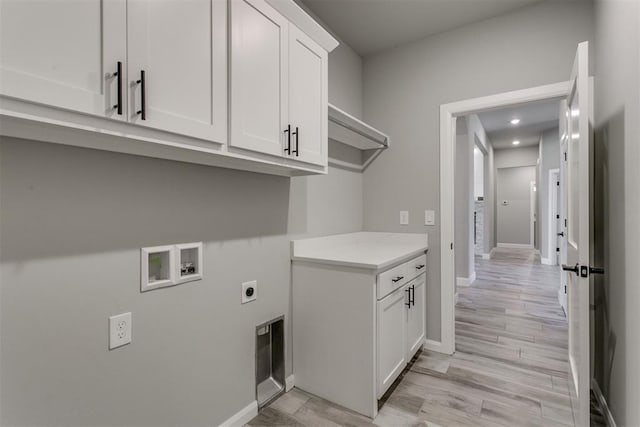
348, 130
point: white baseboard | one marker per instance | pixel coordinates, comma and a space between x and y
487, 256
546, 261
515, 245
456, 299
289, 383
243, 416
432, 345
466, 281
603, 403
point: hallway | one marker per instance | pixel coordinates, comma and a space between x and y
510, 367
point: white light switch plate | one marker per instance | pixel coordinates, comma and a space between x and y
404, 217
429, 218
119, 330
246, 286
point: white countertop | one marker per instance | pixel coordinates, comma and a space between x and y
371, 250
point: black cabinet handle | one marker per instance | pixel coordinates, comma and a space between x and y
575, 268
142, 112
408, 291
413, 295
561, 234
397, 279
419, 267
287, 150
297, 134
118, 74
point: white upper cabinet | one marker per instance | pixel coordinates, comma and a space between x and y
181, 47
150, 78
64, 53
278, 86
308, 97
259, 83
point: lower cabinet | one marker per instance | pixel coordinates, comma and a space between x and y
416, 316
400, 330
355, 329
392, 356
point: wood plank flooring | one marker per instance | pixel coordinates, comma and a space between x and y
509, 369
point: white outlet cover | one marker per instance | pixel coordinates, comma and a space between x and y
404, 217
246, 285
429, 217
119, 330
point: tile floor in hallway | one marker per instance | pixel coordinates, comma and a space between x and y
509, 368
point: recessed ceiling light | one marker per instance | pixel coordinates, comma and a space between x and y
516, 142
515, 121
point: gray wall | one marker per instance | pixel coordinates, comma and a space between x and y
516, 157
514, 221
404, 87
463, 203
617, 202
550, 159
73, 222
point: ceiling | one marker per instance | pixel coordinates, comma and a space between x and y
535, 117
369, 26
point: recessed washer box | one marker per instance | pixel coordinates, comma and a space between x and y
157, 267
188, 262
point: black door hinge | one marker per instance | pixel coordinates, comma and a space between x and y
565, 156
557, 249
558, 183
565, 223
565, 289
557, 216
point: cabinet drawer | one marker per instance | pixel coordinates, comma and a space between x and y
392, 279
417, 266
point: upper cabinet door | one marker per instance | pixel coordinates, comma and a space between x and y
308, 111
180, 45
64, 53
259, 109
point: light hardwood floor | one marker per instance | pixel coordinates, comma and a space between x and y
509, 368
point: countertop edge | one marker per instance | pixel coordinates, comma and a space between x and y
368, 266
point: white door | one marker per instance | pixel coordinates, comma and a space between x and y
564, 143
416, 322
579, 235
307, 98
259, 77
64, 53
180, 45
391, 338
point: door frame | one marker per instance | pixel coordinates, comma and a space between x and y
448, 114
533, 206
553, 197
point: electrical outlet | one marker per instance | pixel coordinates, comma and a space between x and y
429, 218
249, 291
119, 330
404, 217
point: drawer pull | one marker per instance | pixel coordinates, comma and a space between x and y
408, 291
419, 267
118, 74
412, 295
397, 279
142, 112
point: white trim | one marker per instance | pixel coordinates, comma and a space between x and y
301, 19
243, 416
515, 245
466, 281
456, 301
546, 261
432, 345
448, 114
552, 227
487, 256
289, 383
533, 186
603, 403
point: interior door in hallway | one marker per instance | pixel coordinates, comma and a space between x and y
579, 238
